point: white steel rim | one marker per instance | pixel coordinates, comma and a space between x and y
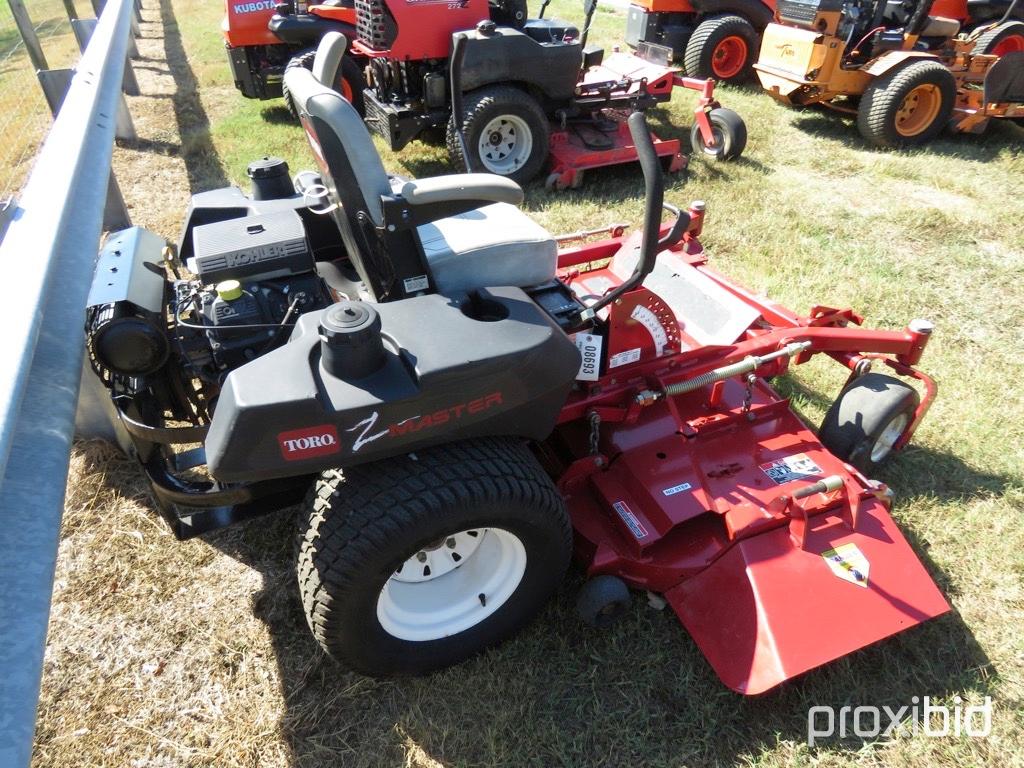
887, 440
505, 144
452, 585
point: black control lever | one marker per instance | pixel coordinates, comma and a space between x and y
455, 75
654, 186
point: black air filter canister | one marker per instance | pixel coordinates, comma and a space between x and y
270, 179
351, 346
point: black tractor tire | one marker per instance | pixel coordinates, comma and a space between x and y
368, 523
481, 108
723, 48
1008, 33
603, 601
855, 427
878, 113
730, 136
349, 78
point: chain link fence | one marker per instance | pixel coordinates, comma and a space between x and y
24, 115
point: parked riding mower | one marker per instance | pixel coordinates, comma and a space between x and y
712, 38
904, 73
459, 405
525, 90
720, 38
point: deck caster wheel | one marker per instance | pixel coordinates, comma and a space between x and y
602, 601
729, 132
867, 420
406, 566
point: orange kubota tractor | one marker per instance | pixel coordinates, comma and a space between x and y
720, 38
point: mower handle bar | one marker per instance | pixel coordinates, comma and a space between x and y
654, 196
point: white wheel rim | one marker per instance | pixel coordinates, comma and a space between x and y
719, 144
884, 444
505, 144
437, 592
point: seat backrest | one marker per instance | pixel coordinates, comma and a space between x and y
349, 163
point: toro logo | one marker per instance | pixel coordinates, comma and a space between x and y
308, 442
261, 5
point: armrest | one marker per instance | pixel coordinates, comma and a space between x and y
482, 188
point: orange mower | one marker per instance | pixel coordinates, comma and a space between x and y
906, 74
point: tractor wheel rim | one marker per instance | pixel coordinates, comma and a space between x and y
452, 585
887, 440
729, 57
346, 89
505, 144
1010, 44
918, 111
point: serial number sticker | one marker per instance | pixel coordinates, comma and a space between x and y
677, 489
848, 563
634, 525
624, 358
589, 346
418, 283
795, 467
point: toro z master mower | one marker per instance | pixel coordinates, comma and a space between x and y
523, 90
906, 74
462, 406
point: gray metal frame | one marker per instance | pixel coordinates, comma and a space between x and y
47, 256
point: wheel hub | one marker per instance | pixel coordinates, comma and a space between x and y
918, 110
505, 144
451, 585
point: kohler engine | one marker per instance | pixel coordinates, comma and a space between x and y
251, 277
255, 276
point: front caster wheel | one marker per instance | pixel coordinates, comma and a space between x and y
865, 422
729, 134
417, 562
602, 601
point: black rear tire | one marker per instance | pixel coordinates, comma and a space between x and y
987, 42
371, 522
879, 113
855, 427
349, 78
484, 109
730, 136
713, 49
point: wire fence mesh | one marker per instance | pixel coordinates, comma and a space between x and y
24, 115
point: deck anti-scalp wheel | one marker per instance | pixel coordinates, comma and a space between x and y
505, 133
723, 48
908, 105
417, 562
603, 600
867, 419
348, 81
730, 136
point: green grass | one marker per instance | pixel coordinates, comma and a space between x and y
197, 654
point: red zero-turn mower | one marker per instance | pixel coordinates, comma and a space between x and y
462, 406
523, 90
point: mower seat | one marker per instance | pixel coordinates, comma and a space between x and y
939, 26
465, 228
551, 30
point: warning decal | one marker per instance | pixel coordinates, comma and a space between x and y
634, 525
848, 563
795, 467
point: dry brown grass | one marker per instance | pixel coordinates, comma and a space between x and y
196, 654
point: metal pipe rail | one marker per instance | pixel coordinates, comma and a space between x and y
47, 259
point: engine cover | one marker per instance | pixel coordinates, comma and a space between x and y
270, 245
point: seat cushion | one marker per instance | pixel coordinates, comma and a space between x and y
491, 246
939, 26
